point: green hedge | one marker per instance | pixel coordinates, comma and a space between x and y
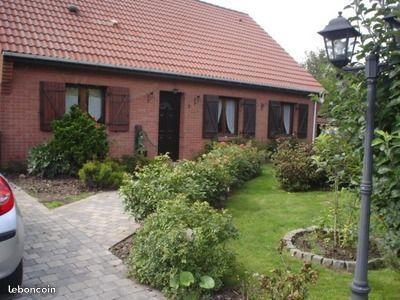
209, 178
183, 239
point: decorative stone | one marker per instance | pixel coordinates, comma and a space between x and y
350, 266
299, 254
317, 259
375, 263
307, 256
293, 251
338, 264
289, 245
327, 262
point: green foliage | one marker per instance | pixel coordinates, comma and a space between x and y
132, 163
101, 175
345, 107
341, 218
336, 157
77, 139
209, 178
155, 183
45, 161
294, 166
181, 248
280, 284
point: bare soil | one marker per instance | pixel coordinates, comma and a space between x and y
52, 192
321, 243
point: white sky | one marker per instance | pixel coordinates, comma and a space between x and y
292, 23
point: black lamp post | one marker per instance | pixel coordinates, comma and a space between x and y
340, 38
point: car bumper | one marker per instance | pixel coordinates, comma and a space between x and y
11, 242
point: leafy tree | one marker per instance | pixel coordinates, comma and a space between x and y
345, 107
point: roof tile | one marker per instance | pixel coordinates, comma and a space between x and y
188, 37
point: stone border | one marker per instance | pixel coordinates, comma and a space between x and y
336, 264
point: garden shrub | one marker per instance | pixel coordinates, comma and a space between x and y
183, 244
154, 183
335, 157
280, 284
209, 178
102, 175
77, 139
131, 163
45, 161
294, 166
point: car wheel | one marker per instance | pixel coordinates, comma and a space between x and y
12, 280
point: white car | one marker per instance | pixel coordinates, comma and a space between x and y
11, 239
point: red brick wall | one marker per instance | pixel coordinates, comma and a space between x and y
19, 111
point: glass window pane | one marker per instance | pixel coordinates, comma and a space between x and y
287, 118
71, 98
95, 104
231, 115
339, 48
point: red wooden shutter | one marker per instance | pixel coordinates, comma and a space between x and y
303, 121
249, 117
210, 116
118, 108
52, 103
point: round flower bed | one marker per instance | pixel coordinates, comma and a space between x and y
291, 242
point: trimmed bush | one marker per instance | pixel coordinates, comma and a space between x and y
45, 161
102, 175
294, 165
77, 139
154, 183
209, 178
182, 238
132, 163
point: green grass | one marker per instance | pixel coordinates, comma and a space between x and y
263, 213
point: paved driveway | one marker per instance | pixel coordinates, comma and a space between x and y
67, 248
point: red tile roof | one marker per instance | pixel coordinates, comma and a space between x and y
186, 37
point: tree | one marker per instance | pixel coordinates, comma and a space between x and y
345, 106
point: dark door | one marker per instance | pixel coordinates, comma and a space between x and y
168, 128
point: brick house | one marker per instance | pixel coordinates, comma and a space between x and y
185, 71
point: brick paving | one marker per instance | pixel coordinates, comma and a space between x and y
68, 249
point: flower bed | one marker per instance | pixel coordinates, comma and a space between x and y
291, 238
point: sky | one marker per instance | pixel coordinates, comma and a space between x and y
292, 23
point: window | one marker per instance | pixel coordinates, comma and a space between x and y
227, 116
302, 121
89, 99
280, 119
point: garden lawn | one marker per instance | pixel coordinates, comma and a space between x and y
263, 213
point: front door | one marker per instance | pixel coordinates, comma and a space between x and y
169, 120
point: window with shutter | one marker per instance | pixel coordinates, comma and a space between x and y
52, 103
249, 117
210, 116
280, 119
303, 121
119, 106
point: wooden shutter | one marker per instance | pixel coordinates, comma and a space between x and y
118, 108
249, 117
52, 103
274, 119
210, 116
302, 121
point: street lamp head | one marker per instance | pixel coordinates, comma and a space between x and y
340, 39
